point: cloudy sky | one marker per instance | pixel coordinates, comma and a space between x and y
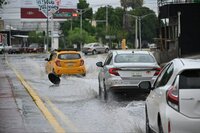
115, 3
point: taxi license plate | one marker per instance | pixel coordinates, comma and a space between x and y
70, 64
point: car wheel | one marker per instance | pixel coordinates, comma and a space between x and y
94, 52
160, 128
100, 90
105, 93
85, 53
84, 74
148, 129
106, 51
55, 73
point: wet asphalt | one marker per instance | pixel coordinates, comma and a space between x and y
18, 112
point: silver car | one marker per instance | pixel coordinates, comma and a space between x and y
173, 105
94, 48
125, 69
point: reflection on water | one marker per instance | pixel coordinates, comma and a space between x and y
77, 98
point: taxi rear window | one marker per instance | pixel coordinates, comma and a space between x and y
69, 56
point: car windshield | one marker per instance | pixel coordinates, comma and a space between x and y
16, 46
89, 45
134, 58
33, 45
189, 79
69, 56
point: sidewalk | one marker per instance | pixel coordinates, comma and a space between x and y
10, 117
18, 111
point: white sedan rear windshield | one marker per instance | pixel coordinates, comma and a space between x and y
134, 58
190, 79
69, 56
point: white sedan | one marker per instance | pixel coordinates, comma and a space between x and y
123, 70
95, 48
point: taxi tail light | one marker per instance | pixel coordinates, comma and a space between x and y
173, 98
81, 62
58, 63
114, 71
157, 71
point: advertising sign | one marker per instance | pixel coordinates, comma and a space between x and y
50, 6
37, 9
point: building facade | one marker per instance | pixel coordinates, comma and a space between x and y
179, 28
35, 15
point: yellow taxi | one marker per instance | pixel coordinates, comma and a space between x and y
65, 62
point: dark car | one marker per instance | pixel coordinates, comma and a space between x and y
34, 48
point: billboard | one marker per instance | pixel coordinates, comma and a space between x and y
38, 9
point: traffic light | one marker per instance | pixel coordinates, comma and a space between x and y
66, 14
74, 14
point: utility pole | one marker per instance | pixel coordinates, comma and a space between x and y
139, 19
140, 32
136, 33
106, 19
81, 26
136, 29
179, 33
47, 26
81, 21
52, 32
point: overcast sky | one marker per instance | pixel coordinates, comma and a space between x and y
115, 3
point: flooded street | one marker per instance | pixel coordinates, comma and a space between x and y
75, 103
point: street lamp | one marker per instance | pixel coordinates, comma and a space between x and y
47, 6
81, 20
140, 30
138, 18
136, 29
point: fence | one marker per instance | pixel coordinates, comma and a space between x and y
167, 2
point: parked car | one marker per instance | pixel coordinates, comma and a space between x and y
34, 48
4, 48
16, 49
65, 62
173, 105
1, 48
95, 48
125, 69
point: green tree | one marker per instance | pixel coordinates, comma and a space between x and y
131, 3
84, 9
149, 24
115, 23
36, 37
1, 2
75, 22
75, 38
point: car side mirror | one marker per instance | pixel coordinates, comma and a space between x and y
99, 64
46, 59
145, 85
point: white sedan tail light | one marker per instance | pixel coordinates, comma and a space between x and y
114, 71
157, 71
172, 97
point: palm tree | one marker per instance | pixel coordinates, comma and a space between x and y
131, 3
1, 2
